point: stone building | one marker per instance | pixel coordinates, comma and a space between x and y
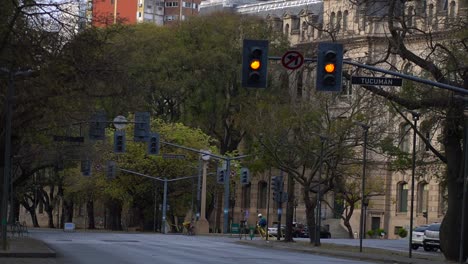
363, 31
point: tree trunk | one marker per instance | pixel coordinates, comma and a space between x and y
290, 210
450, 228
50, 215
346, 221
32, 212
90, 212
310, 206
114, 215
67, 212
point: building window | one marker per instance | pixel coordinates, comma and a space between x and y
172, 4
452, 11
262, 195
345, 20
304, 30
286, 30
246, 196
405, 137
410, 16
187, 4
430, 15
338, 21
423, 196
171, 18
396, 230
443, 198
332, 24
402, 195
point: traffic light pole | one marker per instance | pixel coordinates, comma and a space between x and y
165, 181
226, 180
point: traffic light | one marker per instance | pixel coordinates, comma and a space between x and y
244, 176
142, 127
277, 182
111, 170
220, 173
97, 126
86, 167
153, 145
119, 141
254, 63
329, 67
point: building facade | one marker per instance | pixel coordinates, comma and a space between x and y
363, 31
159, 12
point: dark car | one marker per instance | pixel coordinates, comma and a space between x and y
324, 233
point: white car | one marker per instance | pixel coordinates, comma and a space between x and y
273, 231
418, 236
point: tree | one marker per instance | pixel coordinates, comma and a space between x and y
441, 56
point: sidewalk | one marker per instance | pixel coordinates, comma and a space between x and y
27, 247
349, 252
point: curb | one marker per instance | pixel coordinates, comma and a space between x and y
28, 254
373, 257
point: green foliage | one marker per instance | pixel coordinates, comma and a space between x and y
402, 233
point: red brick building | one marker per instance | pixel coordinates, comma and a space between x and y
160, 12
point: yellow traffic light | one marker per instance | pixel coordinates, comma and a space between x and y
329, 67
255, 64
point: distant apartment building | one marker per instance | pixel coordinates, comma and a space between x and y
160, 12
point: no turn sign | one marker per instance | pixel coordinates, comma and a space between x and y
292, 60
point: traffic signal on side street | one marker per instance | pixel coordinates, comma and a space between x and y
119, 141
142, 127
329, 67
277, 186
97, 126
153, 144
254, 63
111, 169
244, 176
220, 175
86, 167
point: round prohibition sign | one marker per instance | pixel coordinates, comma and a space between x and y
292, 60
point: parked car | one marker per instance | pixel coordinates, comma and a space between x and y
418, 236
324, 233
298, 229
431, 241
273, 231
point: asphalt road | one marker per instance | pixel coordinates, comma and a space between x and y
390, 244
120, 248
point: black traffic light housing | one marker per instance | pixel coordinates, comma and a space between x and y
141, 130
111, 169
329, 67
254, 63
119, 141
153, 144
220, 173
97, 126
277, 182
244, 176
86, 167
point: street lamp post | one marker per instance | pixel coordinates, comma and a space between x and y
413, 168
363, 184
317, 219
7, 159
